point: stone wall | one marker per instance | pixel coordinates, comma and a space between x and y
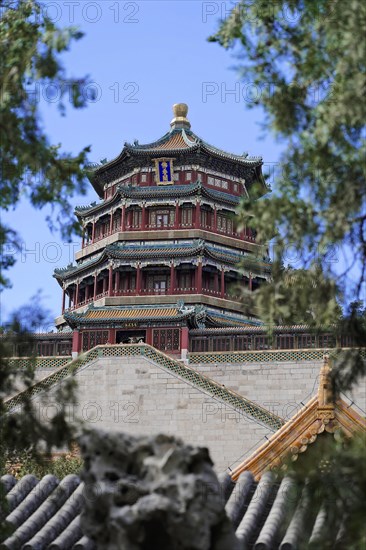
136, 396
280, 387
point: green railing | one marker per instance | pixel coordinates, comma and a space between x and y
270, 356
185, 372
39, 362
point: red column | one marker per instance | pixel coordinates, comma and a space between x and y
143, 217
197, 217
83, 240
105, 282
216, 281
69, 299
222, 283
149, 336
199, 277
117, 281
172, 278
138, 280
110, 281
176, 221
93, 232
76, 294
76, 341
63, 300
95, 287
184, 343
111, 224
215, 219
123, 218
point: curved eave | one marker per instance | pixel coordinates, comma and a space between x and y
77, 320
221, 320
193, 143
82, 212
161, 253
184, 190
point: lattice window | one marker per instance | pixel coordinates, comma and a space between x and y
186, 216
64, 348
116, 222
243, 343
224, 224
93, 338
285, 341
136, 218
166, 339
221, 344
306, 341
327, 341
45, 349
261, 342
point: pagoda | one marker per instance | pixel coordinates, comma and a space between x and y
161, 251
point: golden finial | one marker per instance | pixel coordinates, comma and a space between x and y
325, 394
180, 111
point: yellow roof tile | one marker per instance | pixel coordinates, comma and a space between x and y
130, 313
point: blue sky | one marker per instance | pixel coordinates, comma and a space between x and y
142, 57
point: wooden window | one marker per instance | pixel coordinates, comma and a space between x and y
327, 341
93, 338
200, 344
166, 339
242, 343
64, 348
261, 342
305, 341
161, 218
158, 283
186, 217
285, 341
136, 218
221, 343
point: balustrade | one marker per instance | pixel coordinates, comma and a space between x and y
154, 292
170, 226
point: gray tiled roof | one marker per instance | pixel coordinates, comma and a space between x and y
266, 515
44, 514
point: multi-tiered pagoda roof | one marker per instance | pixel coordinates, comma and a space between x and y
162, 252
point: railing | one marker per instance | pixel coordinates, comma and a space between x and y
124, 292
160, 226
102, 294
211, 292
193, 377
155, 292
205, 227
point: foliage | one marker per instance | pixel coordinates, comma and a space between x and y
61, 466
326, 474
307, 60
31, 166
26, 431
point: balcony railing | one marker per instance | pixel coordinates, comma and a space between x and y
149, 227
156, 292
